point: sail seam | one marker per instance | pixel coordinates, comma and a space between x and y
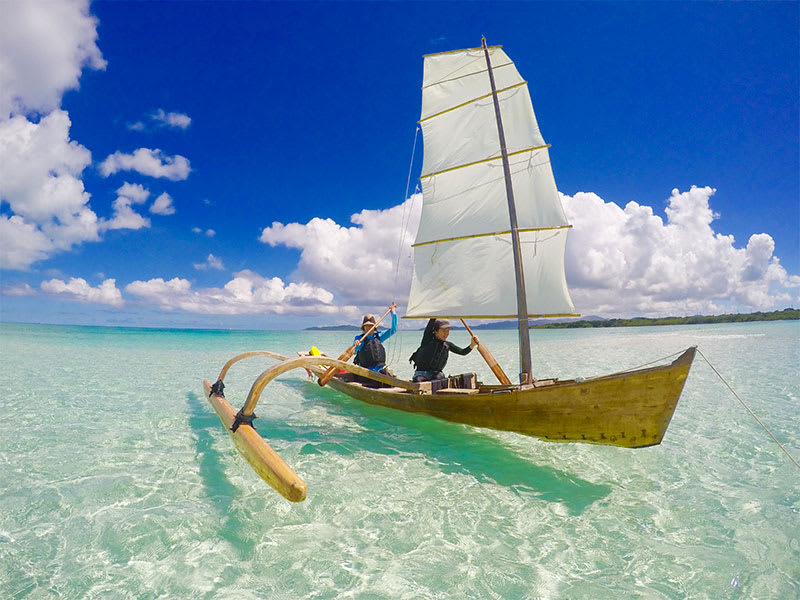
477, 162
477, 235
489, 95
424, 87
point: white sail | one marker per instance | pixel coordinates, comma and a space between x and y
463, 260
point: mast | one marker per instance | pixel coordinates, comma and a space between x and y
522, 303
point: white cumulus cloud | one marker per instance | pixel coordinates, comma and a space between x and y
40, 171
44, 46
172, 119
631, 262
619, 261
38, 159
367, 263
212, 262
246, 293
153, 163
20, 289
22, 243
78, 289
163, 205
124, 216
135, 192
160, 119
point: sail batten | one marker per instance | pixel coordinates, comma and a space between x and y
507, 232
463, 260
463, 104
469, 134
478, 49
469, 201
442, 81
484, 160
458, 77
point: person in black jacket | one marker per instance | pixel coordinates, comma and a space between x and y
431, 356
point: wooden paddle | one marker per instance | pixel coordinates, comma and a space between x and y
487, 356
348, 354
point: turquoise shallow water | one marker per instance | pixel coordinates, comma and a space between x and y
117, 479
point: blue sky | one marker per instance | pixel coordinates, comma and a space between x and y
243, 164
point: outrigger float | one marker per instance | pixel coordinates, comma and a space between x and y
482, 254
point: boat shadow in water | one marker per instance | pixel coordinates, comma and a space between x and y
221, 492
450, 447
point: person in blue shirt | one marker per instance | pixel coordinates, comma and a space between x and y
371, 354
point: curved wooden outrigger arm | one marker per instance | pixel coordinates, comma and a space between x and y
264, 460
244, 355
310, 362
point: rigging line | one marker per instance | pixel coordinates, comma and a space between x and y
636, 368
403, 223
406, 218
752, 414
395, 350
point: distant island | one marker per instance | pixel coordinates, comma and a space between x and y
788, 314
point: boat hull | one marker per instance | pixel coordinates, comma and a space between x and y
631, 409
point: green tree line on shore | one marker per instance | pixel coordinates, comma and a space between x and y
778, 315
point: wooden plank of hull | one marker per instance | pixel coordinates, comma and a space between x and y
264, 460
630, 409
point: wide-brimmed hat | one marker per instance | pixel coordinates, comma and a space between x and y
369, 320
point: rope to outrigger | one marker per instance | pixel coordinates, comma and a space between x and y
752, 414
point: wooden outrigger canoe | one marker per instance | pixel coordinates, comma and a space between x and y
631, 409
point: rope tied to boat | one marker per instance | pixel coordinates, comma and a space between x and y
636, 368
243, 418
752, 414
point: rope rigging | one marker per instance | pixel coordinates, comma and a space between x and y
636, 368
752, 414
742, 402
395, 345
